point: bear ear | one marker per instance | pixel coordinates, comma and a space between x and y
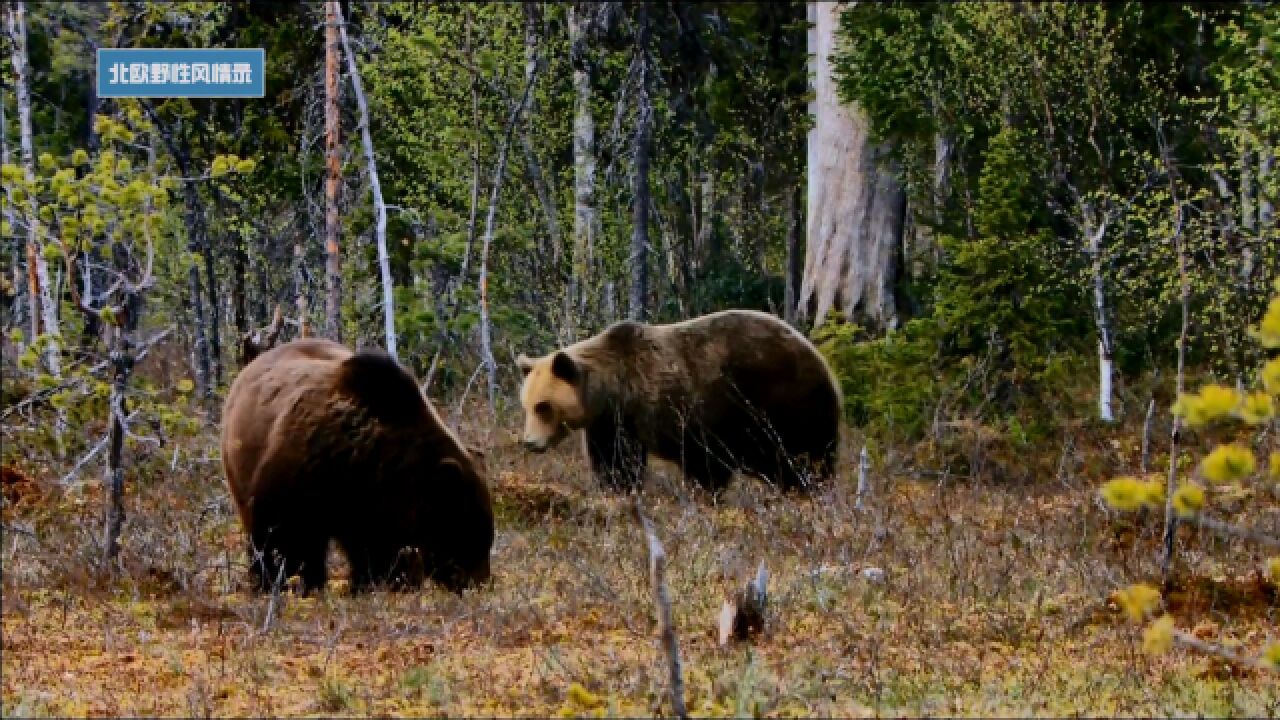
525, 363
564, 367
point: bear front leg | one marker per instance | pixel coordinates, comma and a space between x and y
279, 552
617, 458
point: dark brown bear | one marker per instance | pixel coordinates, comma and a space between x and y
321, 443
733, 390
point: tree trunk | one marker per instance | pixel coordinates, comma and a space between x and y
48, 310
640, 180
1184, 285
586, 220
121, 367
195, 241
541, 189
92, 328
474, 204
855, 206
380, 208
704, 234
920, 246
239, 285
794, 256
17, 250
1095, 231
544, 192
333, 176
499, 175
215, 311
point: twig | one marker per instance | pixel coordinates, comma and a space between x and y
41, 395
1191, 641
457, 411
1146, 435
275, 599
1225, 528
657, 576
864, 467
92, 453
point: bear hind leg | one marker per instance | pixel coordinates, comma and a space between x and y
704, 468
380, 564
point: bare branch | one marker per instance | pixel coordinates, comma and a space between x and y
657, 577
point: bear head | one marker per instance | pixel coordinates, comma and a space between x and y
457, 539
552, 398
439, 499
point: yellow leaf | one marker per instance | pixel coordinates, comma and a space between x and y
1271, 376
1158, 637
1271, 655
1273, 570
1124, 493
584, 698
1268, 332
1218, 401
184, 386
1153, 492
1188, 499
1138, 601
1228, 463
1257, 408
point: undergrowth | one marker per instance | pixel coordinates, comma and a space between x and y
995, 598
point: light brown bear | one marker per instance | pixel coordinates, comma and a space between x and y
733, 390
321, 443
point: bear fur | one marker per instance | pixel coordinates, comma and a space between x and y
321, 443
736, 390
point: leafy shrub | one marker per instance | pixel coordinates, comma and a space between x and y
1222, 471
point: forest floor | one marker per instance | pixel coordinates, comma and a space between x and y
994, 601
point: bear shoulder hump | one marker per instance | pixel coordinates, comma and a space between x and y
374, 380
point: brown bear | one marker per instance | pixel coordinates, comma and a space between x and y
733, 390
321, 443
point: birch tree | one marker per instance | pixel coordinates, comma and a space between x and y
855, 206
43, 294
379, 207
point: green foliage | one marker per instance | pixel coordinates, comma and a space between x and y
1057, 117
889, 383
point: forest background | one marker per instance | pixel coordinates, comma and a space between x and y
1020, 233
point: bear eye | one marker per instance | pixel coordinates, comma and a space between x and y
542, 408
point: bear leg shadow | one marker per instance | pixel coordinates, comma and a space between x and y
617, 458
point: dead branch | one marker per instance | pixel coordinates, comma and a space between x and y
253, 344
1229, 530
744, 615
1226, 653
864, 469
662, 600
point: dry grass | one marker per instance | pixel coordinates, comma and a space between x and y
994, 602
